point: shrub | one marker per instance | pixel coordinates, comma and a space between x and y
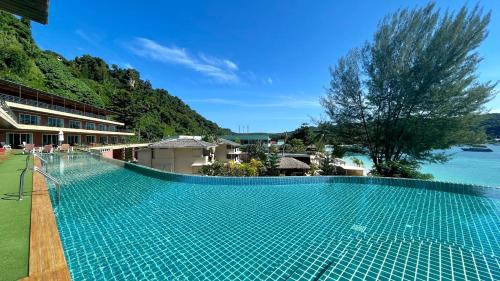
401, 169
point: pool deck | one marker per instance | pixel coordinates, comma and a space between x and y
46, 259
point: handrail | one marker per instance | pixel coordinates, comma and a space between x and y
48, 176
21, 179
7, 109
40, 157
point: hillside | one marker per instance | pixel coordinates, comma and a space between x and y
490, 124
153, 112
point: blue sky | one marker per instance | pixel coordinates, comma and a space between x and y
260, 65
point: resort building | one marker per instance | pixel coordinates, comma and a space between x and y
30, 116
245, 139
184, 154
227, 150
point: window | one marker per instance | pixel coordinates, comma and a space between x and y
103, 140
90, 126
28, 119
114, 140
101, 127
50, 139
75, 124
112, 128
17, 139
74, 139
90, 139
55, 122
152, 153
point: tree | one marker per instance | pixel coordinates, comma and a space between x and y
414, 88
338, 151
326, 167
216, 169
304, 133
273, 162
297, 146
256, 151
210, 138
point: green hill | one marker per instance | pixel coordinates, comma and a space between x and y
153, 112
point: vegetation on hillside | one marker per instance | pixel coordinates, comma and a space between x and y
490, 124
152, 112
412, 89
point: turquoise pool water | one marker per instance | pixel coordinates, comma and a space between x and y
117, 224
481, 168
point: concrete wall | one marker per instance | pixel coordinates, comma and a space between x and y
179, 160
221, 153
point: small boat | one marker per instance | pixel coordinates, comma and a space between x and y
479, 148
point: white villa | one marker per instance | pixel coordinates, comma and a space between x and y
227, 150
184, 154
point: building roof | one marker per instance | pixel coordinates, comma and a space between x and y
224, 141
37, 10
247, 137
182, 143
288, 163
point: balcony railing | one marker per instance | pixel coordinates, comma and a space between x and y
52, 107
7, 109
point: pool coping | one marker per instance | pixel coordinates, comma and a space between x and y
46, 254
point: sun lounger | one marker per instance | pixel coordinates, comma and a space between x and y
64, 147
28, 148
48, 148
6, 146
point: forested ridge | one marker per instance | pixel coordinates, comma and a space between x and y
153, 112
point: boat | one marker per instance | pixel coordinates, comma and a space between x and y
477, 148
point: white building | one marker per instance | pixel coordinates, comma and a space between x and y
227, 150
185, 154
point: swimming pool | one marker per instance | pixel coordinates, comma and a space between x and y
119, 224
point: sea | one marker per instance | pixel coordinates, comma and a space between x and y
481, 168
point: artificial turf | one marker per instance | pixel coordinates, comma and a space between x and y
15, 217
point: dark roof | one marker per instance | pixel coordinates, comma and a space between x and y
288, 163
247, 137
25, 92
182, 143
37, 10
224, 141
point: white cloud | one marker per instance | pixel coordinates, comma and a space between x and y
92, 38
269, 81
279, 101
495, 110
221, 70
224, 63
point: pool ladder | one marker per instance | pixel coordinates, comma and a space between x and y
42, 172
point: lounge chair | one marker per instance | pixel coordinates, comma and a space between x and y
28, 148
47, 148
6, 146
64, 147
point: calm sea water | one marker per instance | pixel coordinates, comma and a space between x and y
481, 168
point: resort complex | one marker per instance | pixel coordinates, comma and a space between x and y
30, 116
105, 177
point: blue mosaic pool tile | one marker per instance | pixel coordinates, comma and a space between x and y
132, 224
